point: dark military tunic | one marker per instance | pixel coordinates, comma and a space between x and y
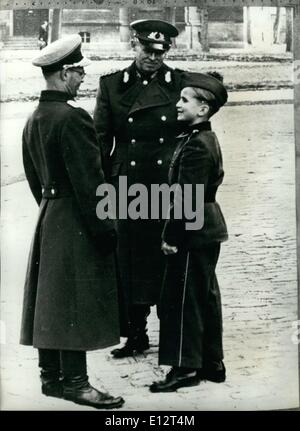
190, 304
135, 120
70, 298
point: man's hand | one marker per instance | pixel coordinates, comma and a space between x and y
168, 249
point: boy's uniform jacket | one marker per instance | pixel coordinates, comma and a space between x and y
197, 160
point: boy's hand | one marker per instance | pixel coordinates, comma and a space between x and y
168, 249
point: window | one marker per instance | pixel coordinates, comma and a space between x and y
85, 36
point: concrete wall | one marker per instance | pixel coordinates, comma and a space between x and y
225, 26
103, 25
225, 31
5, 24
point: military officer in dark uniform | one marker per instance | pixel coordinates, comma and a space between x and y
190, 304
135, 120
70, 299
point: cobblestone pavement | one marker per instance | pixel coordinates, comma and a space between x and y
13, 115
21, 80
256, 271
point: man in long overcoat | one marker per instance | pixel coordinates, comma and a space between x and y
70, 299
135, 120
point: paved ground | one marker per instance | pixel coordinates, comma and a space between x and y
257, 275
13, 115
21, 80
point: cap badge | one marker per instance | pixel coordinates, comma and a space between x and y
157, 36
126, 77
168, 76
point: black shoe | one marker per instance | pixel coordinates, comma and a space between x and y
85, 394
214, 372
132, 347
175, 379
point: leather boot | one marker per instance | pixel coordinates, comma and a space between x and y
79, 390
49, 362
134, 345
138, 340
51, 383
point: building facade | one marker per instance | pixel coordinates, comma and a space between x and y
107, 30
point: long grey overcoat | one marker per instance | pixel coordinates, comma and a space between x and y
70, 297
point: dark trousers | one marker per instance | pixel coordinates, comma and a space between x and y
138, 314
66, 362
190, 309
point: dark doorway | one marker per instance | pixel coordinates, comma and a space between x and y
27, 21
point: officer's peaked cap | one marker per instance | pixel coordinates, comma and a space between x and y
208, 82
154, 33
63, 53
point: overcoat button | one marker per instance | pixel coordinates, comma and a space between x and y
132, 163
130, 120
43, 190
163, 118
145, 82
133, 141
161, 140
159, 162
52, 191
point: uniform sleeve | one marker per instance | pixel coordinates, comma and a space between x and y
30, 171
194, 168
103, 121
195, 165
83, 163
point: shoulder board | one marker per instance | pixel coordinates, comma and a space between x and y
73, 104
105, 75
168, 76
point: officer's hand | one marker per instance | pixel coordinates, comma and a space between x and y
108, 242
168, 249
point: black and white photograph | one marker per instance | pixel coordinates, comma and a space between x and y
150, 204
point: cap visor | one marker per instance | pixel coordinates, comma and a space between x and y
157, 47
153, 44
